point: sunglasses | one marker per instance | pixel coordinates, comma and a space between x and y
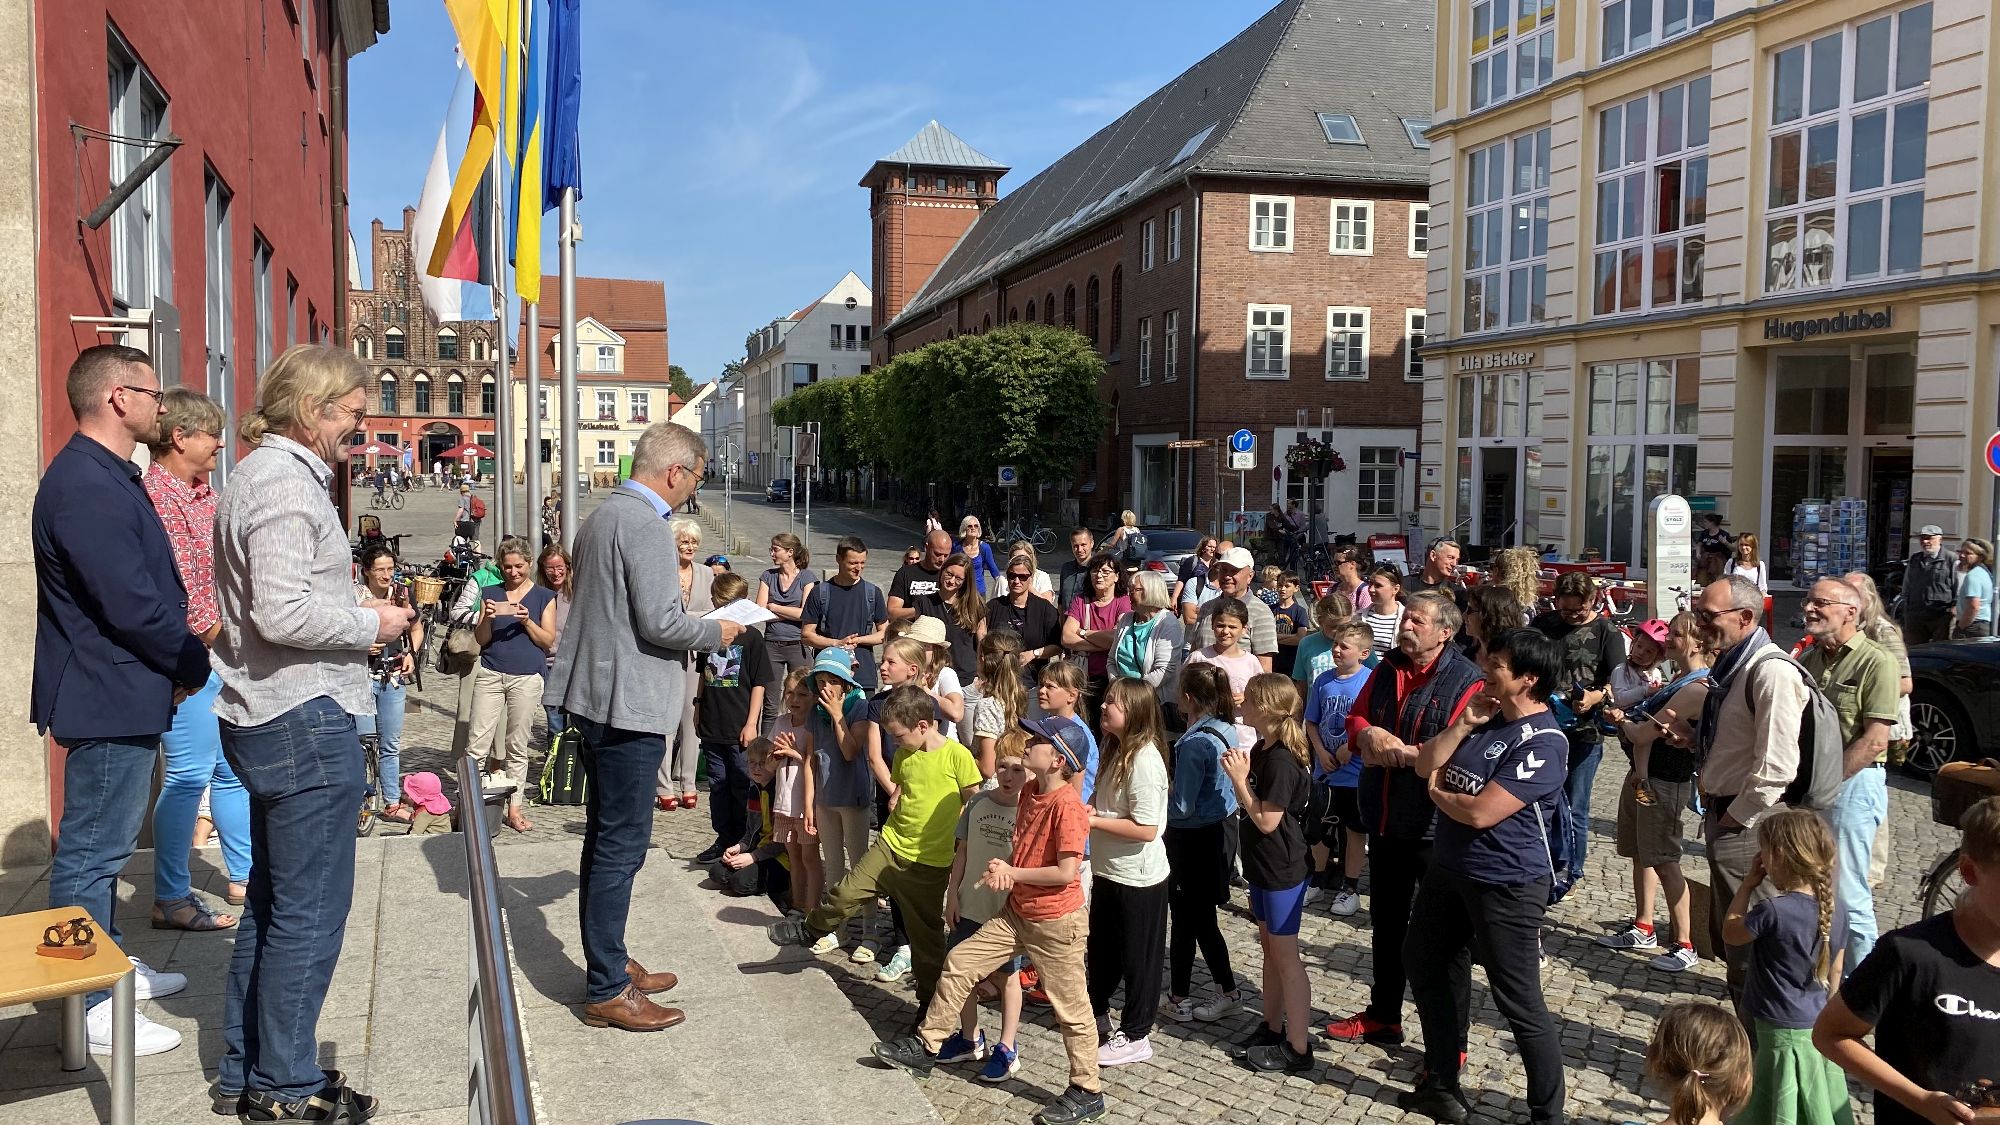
1019, 577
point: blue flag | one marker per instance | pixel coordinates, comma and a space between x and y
562, 161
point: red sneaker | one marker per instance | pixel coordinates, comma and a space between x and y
1366, 1029
1031, 987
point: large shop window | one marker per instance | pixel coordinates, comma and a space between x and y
1498, 473
1849, 115
1837, 417
1652, 200
1513, 48
1507, 233
1641, 426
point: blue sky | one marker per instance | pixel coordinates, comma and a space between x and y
722, 141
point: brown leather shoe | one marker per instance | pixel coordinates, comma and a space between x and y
631, 1011
649, 982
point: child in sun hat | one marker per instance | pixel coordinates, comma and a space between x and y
426, 795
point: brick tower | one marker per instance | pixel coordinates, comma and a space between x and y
921, 199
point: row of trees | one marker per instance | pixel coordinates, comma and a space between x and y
958, 409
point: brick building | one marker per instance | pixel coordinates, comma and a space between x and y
1245, 246
434, 381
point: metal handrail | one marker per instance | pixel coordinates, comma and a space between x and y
498, 1086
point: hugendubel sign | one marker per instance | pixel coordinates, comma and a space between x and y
1860, 320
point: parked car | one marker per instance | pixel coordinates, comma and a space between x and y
778, 491
1955, 707
1168, 547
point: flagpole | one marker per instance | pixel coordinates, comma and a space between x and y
531, 350
503, 413
570, 460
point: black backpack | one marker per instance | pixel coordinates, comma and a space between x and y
1135, 547
563, 780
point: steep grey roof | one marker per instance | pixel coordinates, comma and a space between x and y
938, 147
1250, 108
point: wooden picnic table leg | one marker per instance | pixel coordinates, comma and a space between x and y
75, 1037
124, 1031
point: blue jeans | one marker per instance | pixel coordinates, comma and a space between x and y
303, 771
387, 722
1584, 758
728, 790
195, 763
105, 782
620, 767
1856, 816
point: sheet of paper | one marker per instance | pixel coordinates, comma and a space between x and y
743, 611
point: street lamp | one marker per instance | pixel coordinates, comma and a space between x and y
728, 485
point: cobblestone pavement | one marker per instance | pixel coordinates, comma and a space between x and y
1606, 1001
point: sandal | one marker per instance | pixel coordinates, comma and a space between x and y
518, 822
399, 812
191, 914
689, 800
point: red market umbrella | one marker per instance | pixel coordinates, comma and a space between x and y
469, 449
377, 449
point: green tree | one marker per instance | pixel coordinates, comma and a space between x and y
679, 383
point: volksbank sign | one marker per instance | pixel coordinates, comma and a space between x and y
1858, 321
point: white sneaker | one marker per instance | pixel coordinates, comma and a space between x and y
148, 1038
826, 944
1631, 937
1313, 894
149, 983
1118, 1050
897, 965
1679, 959
1179, 1009
1223, 1004
1345, 904
865, 952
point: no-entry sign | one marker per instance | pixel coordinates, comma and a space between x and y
1993, 454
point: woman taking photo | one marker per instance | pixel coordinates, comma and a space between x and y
1743, 560
552, 570
675, 786
1496, 775
783, 589
184, 451
389, 669
1087, 623
963, 612
983, 565
517, 631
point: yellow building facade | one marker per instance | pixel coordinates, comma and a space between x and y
1739, 252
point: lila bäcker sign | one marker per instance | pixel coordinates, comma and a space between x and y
1858, 321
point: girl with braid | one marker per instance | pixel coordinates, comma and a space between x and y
1794, 967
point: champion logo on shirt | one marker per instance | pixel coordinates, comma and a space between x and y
1954, 1005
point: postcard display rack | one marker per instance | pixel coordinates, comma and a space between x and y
1829, 538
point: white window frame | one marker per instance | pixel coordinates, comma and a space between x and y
1147, 230
1174, 235
1352, 233
1521, 35
1277, 224
1666, 21
607, 358
1170, 355
1145, 351
1251, 332
607, 406
1833, 216
142, 238
1506, 267
1347, 355
260, 260
607, 453
1637, 418
1634, 159
1414, 323
1420, 230
639, 405
542, 403
1378, 482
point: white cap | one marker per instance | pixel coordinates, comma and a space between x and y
1235, 557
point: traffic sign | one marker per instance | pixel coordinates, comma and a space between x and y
1008, 477
1242, 441
1993, 454
1244, 460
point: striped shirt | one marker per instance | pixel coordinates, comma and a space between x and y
283, 575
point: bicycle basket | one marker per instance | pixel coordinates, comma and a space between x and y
1960, 785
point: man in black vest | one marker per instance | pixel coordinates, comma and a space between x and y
1930, 589
1416, 692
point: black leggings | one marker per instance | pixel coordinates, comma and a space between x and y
1128, 944
1198, 883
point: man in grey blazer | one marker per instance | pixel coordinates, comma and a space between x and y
618, 675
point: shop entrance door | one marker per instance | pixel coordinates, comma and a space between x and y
1888, 504
1499, 517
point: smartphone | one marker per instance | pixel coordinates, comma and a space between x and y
399, 594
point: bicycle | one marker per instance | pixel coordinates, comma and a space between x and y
369, 818
1940, 889
1042, 538
392, 498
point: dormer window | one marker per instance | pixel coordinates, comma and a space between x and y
1341, 129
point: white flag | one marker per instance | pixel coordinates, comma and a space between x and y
441, 294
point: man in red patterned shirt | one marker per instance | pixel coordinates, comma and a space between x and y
184, 455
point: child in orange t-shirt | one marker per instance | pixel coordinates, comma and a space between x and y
1044, 918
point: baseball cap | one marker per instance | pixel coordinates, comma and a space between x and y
1655, 631
1930, 529
426, 792
926, 630
717, 560
1236, 558
1066, 735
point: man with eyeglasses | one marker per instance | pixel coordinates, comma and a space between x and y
1930, 589
1231, 573
113, 653
1747, 742
618, 675
1860, 678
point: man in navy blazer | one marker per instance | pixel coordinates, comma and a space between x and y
113, 654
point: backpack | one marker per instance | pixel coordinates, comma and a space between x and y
563, 781
878, 609
1822, 754
477, 508
1135, 547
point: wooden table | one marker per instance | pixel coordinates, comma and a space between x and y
26, 977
